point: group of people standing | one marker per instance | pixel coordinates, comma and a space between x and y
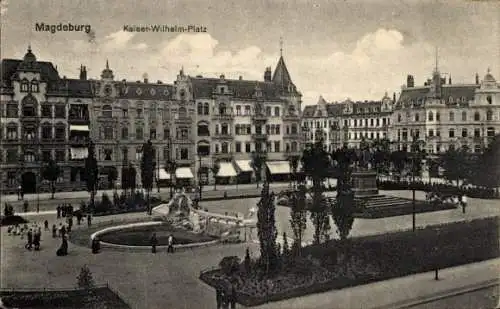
33, 234
170, 243
225, 295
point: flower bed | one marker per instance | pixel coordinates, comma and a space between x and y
12, 220
362, 260
93, 298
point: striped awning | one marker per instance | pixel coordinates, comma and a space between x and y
278, 167
244, 165
82, 128
226, 170
184, 172
79, 153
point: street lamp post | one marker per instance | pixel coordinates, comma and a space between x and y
199, 177
413, 181
158, 171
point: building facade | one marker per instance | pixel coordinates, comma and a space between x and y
196, 122
442, 115
34, 127
348, 122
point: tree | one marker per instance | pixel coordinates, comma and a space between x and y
294, 164
112, 177
457, 165
147, 171
258, 161
85, 279
316, 164
170, 168
91, 171
298, 214
343, 207
51, 172
266, 230
399, 159
488, 166
215, 170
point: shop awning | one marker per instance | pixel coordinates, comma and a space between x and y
163, 175
81, 128
244, 165
79, 153
226, 170
278, 167
183, 172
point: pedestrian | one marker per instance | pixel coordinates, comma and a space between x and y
170, 242
96, 245
63, 231
218, 297
232, 296
70, 223
78, 217
58, 211
464, 203
70, 210
36, 239
29, 245
19, 193
54, 231
63, 210
154, 242
46, 225
22, 193
89, 220
63, 250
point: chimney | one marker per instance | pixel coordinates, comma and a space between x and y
477, 79
393, 97
83, 72
145, 77
241, 77
449, 80
267, 74
410, 81
159, 82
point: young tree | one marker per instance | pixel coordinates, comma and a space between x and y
132, 178
147, 171
488, 166
266, 230
399, 159
112, 177
298, 213
258, 162
316, 164
215, 170
85, 279
91, 177
457, 165
294, 165
343, 207
170, 168
51, 172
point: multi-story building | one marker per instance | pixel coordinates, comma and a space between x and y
445, 115
348, 122
236, 118
195, 122
34, 127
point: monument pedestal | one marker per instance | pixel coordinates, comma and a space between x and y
364, 183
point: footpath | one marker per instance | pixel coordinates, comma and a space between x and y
42, 202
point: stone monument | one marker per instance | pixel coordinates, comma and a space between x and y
364, 178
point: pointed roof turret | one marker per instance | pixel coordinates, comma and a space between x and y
107, 73
321, 101
281, 75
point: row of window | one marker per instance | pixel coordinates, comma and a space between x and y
30, 133
13, 156
451, 116
203, 109
12, 111
107, 112
464, 132
438, 148
27, 86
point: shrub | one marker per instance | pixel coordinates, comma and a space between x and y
8, 210
26, 206
13, 220
85, 279
230, 264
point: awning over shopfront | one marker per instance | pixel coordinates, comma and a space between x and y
163, 175
79, 153
244, 165
226, 170
278, 167
183, 172
81, 128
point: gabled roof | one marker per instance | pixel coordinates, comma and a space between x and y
281, 75
9, 69
335, 109
309, 111
456, 91
203, 88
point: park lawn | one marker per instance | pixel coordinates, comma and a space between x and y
356, 261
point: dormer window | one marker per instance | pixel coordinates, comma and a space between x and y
182, 94
221, 90
24, 85
489, 99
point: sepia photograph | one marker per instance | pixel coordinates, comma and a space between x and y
267, 154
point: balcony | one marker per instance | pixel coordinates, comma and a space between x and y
183, 162
223, 156
291, 117
184, 121
259, 136
182, 140
259, 117
79, 141
296, 136
29, 118
223, 117
223, 136
78, 120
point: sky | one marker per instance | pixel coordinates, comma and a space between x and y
338, 49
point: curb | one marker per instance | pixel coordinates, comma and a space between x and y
442, 295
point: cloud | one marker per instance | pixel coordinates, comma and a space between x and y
3, 7
140, 46
117, 40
